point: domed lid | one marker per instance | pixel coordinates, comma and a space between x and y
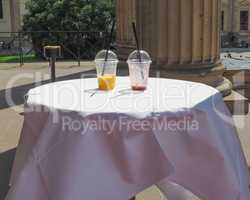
135, 57
101, 55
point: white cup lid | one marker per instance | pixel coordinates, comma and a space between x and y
101, 55
135, 56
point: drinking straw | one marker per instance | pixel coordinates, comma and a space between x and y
107, 52
136, 40
138, 46
108, 46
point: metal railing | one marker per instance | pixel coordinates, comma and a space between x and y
76, 45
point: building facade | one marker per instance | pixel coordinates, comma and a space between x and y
11, 12
235, 19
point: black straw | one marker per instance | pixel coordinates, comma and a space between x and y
108, 46
138, 47
136, 40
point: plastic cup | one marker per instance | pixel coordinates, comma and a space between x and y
139, 66
106, 70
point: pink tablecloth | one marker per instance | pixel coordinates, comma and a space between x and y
66, 152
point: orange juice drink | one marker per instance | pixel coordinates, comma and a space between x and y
106, 67
106, 82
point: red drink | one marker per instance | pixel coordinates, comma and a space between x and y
139, 64
139, 88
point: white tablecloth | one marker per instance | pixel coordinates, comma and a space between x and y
78, 142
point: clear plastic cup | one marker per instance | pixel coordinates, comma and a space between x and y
139, 66
106, 70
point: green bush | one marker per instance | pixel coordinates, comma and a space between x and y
69, 15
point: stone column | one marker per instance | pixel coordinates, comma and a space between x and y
182, 36
15, 15
126, 14
232, 17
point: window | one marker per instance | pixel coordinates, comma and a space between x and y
222, 21
1, 9
244, 20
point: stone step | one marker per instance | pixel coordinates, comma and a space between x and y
237, 104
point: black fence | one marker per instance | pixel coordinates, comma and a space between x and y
75, 45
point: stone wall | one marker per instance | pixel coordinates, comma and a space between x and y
5, 23
13, 11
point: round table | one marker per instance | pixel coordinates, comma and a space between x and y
78, 142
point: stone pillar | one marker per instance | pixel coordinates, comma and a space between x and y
231, 14
15, 15
126, 14
182, 36
236, 17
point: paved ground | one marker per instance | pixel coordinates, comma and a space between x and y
11, 121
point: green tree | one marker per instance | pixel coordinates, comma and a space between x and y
67, 15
